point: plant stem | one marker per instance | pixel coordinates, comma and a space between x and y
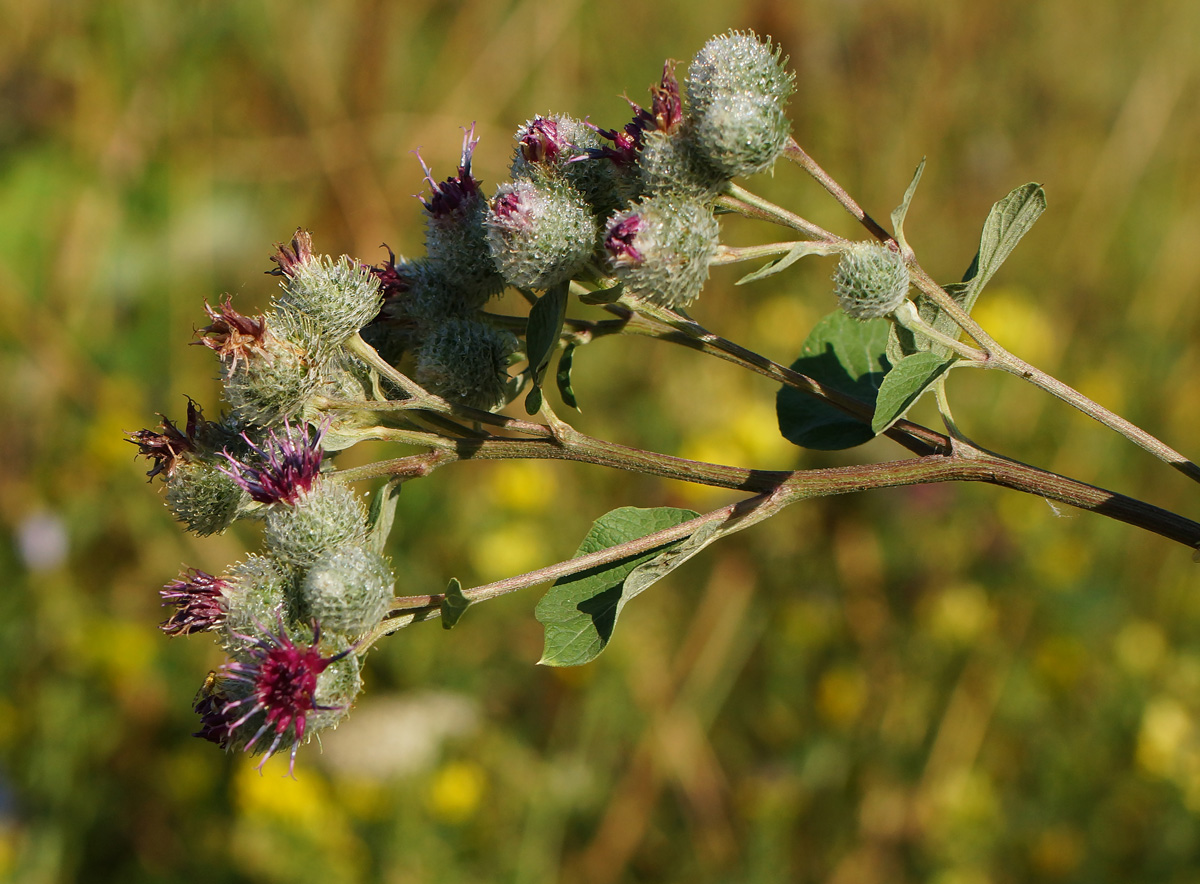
796, 154
974, 465
742, 201
735, 254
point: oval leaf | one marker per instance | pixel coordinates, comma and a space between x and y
580, 611
454, 603
848, 355
904, 384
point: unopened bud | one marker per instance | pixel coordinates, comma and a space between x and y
661, 248
466, 362
339, 296
871, 280
204, 498
540, 233
348, 591
738, 87
670, 164
326, 517
255, 596
276, 380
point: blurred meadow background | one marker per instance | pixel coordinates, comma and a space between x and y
954, 684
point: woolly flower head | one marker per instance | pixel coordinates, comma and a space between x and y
661, 248
871, 280
270, 694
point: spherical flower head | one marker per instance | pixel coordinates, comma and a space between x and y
871, 280
466, 362
271, 367
540, 233
333, 298
660, 248
204, 498
288, 465
670, 163
349, 591
270, 694
200, 602
738, 88
256, 592
327, 516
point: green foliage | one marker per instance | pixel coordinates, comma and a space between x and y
901, 211
847, 355
454, 604
541, 338
581, 611
904, 384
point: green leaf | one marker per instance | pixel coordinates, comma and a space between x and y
798, 251
580, 611
848, 355
901, 210
904, 385
603, 296
1008, 221
542, 331
533, 400
563, 377
381, 514
454, 603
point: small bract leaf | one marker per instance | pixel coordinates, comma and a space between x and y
563, 377
579, 612
847, 355
603, 296
380, 515
542, 331
904, 385
533, 400
901, 210
454, 603
798, 251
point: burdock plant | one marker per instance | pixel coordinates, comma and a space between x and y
406, 351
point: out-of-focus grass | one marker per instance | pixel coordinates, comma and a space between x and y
944, 684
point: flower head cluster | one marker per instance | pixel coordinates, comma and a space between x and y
584, 205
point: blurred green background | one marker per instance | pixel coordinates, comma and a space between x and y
948, 684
